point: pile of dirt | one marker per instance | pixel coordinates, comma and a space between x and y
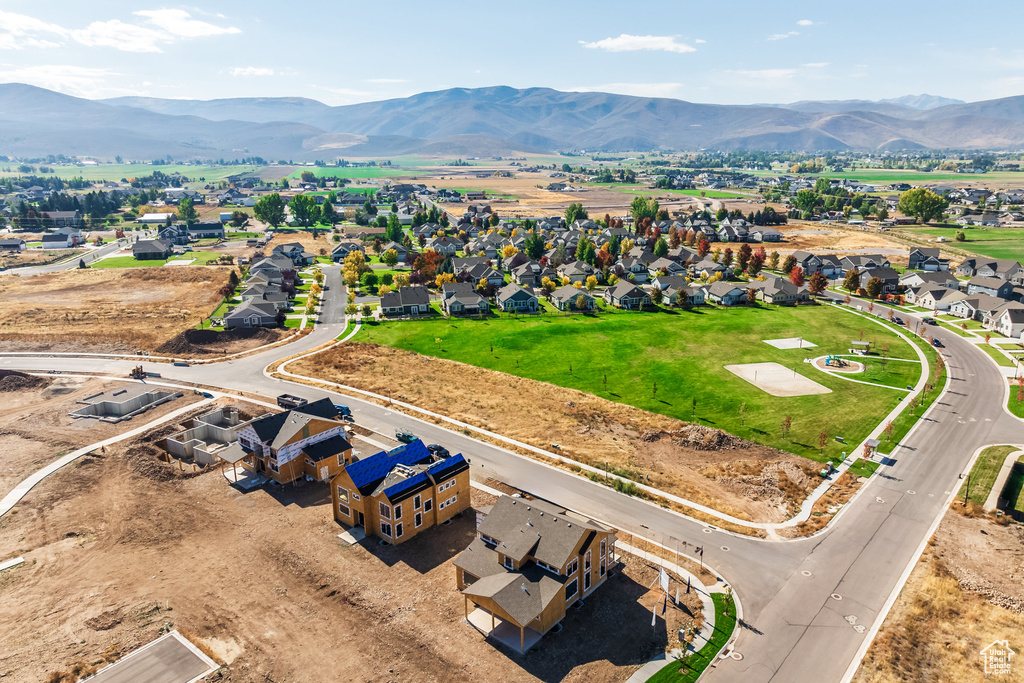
206, 341
701, 438
12, 380
985, 558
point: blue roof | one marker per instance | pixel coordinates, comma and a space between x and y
405, 484
369, 472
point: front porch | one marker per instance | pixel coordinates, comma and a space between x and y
509, 634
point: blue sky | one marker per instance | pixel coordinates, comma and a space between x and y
342, 52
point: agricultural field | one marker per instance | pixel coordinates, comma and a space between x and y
664, 362
646, 191
888, 175
115, 172
1004, 243
110, 309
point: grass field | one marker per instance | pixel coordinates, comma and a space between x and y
646, 191
998, 357
906, 420
355, 172
116, 172
888, 175
662, 361
984, 473
993, 242
127, 262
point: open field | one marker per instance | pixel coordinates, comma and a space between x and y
106, 309
704, 465
889, 175
964, 594
115, 172
119, 544
36, 257
1005, 243
662, 362
303, 237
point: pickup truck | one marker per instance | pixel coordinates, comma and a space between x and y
344, 412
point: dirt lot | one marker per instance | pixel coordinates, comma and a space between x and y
313, 246
106, 309
36, 257
121, 545
35, 428
707, 466
966, 592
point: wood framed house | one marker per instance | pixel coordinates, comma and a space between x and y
307, 441
530, 562
343, 249
394, 495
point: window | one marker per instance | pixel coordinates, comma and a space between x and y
489, 541
602, 566
468, 578
344, 509
385, 511
509, 563
343, 494
385, 529
450, 501
446, 485
571, 589
586, 575
586, 562
603, 542
398, 530
355, 496
341, 459
273, 466
428, 505
418, 520
416, 504
571, 568
398, 512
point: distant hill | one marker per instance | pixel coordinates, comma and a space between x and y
488, 121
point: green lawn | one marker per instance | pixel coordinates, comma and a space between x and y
976, 488
354, 172
117, 171
1014, 486
127, 262
725, 622
197, 257
994, 242
892, 373
996, 355
1016, 407
662, 361
906, 420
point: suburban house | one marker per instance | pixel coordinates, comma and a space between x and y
976, 307
343, 249
765, 234
725, 293
636, 267
935, 297
447, 246
529, 564
706, 269
567, 298
57, 240
208, 230
575, 272
404, 255
1011, 323
665, 266
252, 313
12, 244
1004, 269
889, 278
267, 293
512, 297
776, 290
809, 262
406, 301
151, 249
532, 274
929, 279
175, 234
831, 266
295, 253
484, 272
625, 294
864, 262
927, 258
461, 298
62, 219
396, 494
307, 441
992, 286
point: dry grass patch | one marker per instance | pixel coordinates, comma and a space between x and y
633, 444
105, 309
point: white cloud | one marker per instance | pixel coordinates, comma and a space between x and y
700, 41
630, 43
817, 65
251, 71
180, 23
635, 89
783, 36
165, 26
80, 81
805, 22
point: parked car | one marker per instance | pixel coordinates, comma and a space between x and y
405, 436
439, 451
929, 321
937, 343
898, 320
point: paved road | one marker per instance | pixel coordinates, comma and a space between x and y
795, 630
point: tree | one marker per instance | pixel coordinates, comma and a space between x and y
883, 212
657, 295
756, 262
270, 209
581, 302
328, 214
660, 247
393, 230
444, 279
851, 282
353, 267
822, 440
427, 263
575, 212
508, 251
874, 287
773, 260
789, 264
796, 276
591, 283
961, 236
233, 279
787, 424
308, 177
305, 210
390, 258
922, 204
727, 257
238, 219
187, 211
702, 247
743, 414
743, 257
817, 283
643, 207
534, 247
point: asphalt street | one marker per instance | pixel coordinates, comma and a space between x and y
807, 604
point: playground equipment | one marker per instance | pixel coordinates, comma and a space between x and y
835, 362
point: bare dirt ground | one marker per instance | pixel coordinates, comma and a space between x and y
840, 240
36, 257
121, 546
100, 309
704, 465
206, 343
965, 593
35, 428
303, 237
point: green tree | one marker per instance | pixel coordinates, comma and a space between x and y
643, 207
305, 210
874, 287
534, 247
961, 236
393, 231
187, 211
851, 282
328, 214
575, 212
773, 260
789, 264
270, 209
923, 204
660, 247
806, 200
390, 258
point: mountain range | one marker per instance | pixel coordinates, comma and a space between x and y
485, 122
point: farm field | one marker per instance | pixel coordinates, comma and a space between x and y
106, 309
888, 175
662, 362
1004, 243
646, 191
115, 172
